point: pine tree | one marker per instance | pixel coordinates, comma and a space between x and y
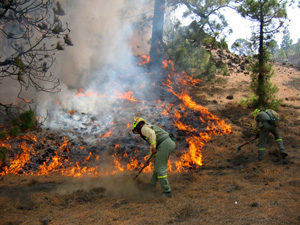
286, 41
269, 17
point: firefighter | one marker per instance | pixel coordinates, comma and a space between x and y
162, 144
264, 123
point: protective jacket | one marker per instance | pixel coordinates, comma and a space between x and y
154, 135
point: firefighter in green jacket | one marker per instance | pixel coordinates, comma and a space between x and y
264, 123
161, 146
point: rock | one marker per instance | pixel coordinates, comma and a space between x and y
243, 67
229, 97
46, 221
236, 60
254, 204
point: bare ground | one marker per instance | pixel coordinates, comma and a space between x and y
230, 188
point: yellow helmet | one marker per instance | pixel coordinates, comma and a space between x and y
256, 111
136, 121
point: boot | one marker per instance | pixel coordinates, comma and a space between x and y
283, 153
260, 155
168, 194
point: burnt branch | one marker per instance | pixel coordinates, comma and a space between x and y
31, 32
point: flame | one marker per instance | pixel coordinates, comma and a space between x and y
144, 59
53, 166
89, 93
127, 96
60, 161
107, 134
197, 138
19, 161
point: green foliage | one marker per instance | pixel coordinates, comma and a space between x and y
223, 70
14, 132
212, 43
3, 154
27, 120
192, 58
248, 102
3, 135
269, 16
288, 52
263, 93
242, 47
208, 16
187, 46
15, 122
286, 41
223, 44
273, 46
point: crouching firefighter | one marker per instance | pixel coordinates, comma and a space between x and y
264, 123
162, 144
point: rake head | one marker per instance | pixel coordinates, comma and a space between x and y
238, 148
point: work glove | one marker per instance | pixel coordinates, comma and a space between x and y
149, 160
152, 156
153, 151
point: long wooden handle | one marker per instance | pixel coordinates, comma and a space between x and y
142, 168
248, 142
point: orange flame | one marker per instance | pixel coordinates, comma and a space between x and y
107, 134
144, 59
127, 96
191, 157
89, 93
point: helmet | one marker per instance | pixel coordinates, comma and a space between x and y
136, 121
256, 111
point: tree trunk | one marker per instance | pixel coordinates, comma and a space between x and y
157, 34
261, 63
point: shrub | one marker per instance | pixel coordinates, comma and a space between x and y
14, 132
27, 120
3, 135
263, 93
3, 153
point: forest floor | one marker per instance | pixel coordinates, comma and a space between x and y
230, 188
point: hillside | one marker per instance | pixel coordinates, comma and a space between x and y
230, 187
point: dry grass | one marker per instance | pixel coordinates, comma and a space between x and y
259, 194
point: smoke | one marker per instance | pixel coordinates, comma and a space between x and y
121, 186
99, 38
101, 62
100, 69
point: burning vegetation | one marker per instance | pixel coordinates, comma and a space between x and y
93, 145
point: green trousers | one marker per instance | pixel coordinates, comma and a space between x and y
161, 164
264, 134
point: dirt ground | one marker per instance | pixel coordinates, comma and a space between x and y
230, 188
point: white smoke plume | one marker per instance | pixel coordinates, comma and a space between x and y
101, 64
101, 60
